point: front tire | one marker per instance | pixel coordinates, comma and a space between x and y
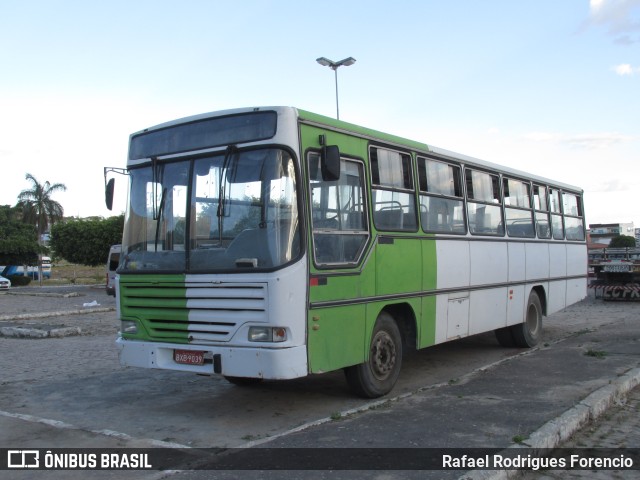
379, 373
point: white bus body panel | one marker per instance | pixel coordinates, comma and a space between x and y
453, 263
489, 262
471, 266
537, 261
576, 266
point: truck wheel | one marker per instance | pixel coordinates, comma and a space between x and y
529, 332
378, 374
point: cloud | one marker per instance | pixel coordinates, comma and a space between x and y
625, 69
612, 185
620, 18
587, 141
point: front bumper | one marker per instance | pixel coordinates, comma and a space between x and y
267, 363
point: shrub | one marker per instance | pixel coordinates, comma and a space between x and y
19, 280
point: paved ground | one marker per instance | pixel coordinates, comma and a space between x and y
545, 397
618, 427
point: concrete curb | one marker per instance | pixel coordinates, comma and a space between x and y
36, 331
28, 316
21, 332
45, 294
553, 433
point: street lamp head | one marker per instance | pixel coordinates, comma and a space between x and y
346, 62
325, 62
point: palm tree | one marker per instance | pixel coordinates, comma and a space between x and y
39, 209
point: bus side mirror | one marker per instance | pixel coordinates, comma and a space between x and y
330, 161
108, 193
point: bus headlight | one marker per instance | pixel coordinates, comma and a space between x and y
267, 334
129, 326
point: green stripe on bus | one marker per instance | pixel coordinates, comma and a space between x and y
158, 303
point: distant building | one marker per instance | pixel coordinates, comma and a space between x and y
637, 237
602, 233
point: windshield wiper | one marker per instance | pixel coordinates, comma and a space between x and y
155, 179
159, 219
228, 154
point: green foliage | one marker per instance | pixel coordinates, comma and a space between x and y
622, 241
86, 242
18, 240
19, 280
596, 353
37, 206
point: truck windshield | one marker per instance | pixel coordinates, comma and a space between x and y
234, 211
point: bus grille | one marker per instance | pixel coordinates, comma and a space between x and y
194, 312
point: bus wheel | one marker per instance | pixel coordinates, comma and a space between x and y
505, 337
243, 381
528, 333
377, 376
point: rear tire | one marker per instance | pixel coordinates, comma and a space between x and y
379, 373
505, 337
529, 332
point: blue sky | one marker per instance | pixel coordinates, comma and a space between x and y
550, 87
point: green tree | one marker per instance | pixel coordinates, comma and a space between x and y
86, 241
622, 241
38, 208
18, 245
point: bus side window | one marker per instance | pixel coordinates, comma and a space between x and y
517, 201
541, 208
557, 226
573, 221
338, 214
483, 205
393, 195
441, 198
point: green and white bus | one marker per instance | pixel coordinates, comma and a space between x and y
275, 243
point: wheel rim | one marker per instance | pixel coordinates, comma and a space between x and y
383, 355
533, 320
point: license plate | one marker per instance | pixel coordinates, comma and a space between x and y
188, 357
617, 268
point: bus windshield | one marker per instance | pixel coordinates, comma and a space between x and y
235, 210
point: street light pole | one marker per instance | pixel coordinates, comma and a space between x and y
325, 62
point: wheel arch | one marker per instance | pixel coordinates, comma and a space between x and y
542, 295
405, 317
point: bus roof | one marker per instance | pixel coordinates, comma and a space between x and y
424, 148
340, 125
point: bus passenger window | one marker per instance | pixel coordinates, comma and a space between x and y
517, 201
393, 195
557, 226
484, 209
543, 228
441, 202
573, 221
